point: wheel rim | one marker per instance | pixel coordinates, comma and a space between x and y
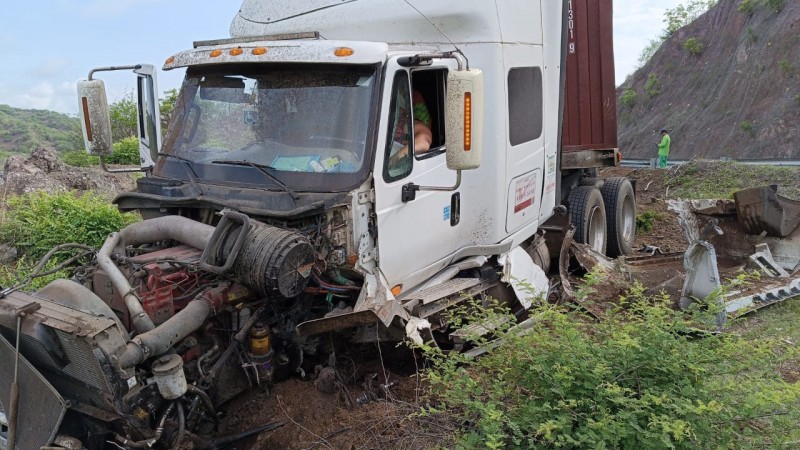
596, 236
628, 219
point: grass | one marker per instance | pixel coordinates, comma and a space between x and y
707, 179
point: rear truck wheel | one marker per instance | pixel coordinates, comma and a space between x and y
588, 215
620, 201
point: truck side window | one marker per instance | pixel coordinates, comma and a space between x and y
524, 104
428, 96
400, 140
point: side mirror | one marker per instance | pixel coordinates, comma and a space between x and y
464, 119
95, 118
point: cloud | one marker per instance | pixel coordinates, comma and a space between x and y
61, 97
51, 67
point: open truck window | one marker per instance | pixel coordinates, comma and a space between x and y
430, 85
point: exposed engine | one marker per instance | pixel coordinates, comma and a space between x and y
174, 318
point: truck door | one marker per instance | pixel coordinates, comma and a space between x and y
526, 161
412, 235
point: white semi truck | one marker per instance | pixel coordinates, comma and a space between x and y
334, 168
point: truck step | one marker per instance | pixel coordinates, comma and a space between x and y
428, 302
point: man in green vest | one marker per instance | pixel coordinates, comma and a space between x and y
663, 149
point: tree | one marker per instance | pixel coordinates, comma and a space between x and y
123, 117
675, 19
166, 106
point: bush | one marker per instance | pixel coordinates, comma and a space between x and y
693, 46
79, 158
126, 151
37, 222
645, 221
775, 5
748, 6
748, 128
652, 86
637, 378
629, 98
785, 66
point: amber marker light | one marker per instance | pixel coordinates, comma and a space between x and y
215, 53
343, 51
467, 121
397, 290
236, 51
258, 51
352, 260
170, 60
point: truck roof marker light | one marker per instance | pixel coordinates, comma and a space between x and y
343, 51
258, 51
236, 51
215, 53
397, 289
467, 121
170, 60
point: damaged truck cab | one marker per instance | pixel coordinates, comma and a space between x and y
321, 176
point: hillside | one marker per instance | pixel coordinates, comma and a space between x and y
732, 90
23, 130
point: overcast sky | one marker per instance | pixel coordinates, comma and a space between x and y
47, 45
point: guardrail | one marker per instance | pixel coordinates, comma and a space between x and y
653, 162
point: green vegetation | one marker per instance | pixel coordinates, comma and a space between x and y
748, 6
675, 19
775, 5
748, 128
35, 223
646, 220
751, 35
629, 97
79, 158
638, 377
693, 46
23, 130
786, 66
705, 179
652, 86
797, 99
126, 151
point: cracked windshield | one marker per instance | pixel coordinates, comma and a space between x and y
292, 119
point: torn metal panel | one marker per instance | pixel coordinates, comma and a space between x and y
763, 210
759, 300
526, 278
762, 259
702, 276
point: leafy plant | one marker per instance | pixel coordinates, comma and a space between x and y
39, 221
748, 6
748, 128
751, 35
775, 5
629, 97
652, 86
675, 19
79, 158
693, 46
636, 378
126, 151
786, 66
646, 220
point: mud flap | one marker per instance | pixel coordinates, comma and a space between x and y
41, 408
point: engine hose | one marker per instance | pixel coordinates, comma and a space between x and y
147, 443
205, 399
181, 426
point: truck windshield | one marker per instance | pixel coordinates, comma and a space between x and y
308, 125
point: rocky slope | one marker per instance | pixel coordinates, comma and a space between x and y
739, 96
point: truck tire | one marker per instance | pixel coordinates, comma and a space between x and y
588, 215
620, 201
